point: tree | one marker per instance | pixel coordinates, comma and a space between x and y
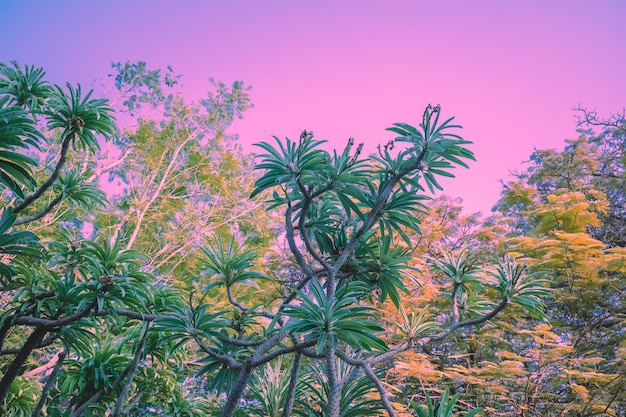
54, 291
314, 312
345, 224
184, 176
568, 220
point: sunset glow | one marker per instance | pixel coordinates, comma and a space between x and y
509, 72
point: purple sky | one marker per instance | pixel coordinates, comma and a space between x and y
509, 71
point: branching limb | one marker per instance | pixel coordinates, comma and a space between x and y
334, 387
283, 351
479, 320
377, 210
236, 303
157, 193
52, 323
14, 369
44, 343
376, 360
293, 247
591, 118
308, 199
293, 384
237, 391
65, 146
52, 204
225, 359
455, 303
50, 382
131, 373
367, 369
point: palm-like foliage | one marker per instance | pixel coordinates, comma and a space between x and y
21, 95
344, 222
416, 324
461, 267
442, 408
96, 370
515, 282
17, 132
358, 397
269, 387
383, 267
22, 398
293, 162
74, 188
16, 243
328, 321
229, 264
26, 88
347, 224
81, 118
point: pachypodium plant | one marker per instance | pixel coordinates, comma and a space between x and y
347, 225
56, 288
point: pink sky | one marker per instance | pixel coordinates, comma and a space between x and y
509, 71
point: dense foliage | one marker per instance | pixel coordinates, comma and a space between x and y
313, 283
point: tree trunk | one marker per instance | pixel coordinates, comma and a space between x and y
236, 392
293, 383
14, 369
334, 390
49, 383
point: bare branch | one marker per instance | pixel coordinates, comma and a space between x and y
367, 369
53, 203
293, 383
52, 323
65, 146
225, 359
50, 382
131, 373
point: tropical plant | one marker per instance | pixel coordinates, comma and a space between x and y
55, 285
443, 408
347, 222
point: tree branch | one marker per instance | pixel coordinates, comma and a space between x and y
376, 211
479, 320
283, 351
131, 373
290, 233
52, 323
293, 384
225, 359
65, 146
42, 213
141, 214
50, 382
47, 342
367, 368
308, 199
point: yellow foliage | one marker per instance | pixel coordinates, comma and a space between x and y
504, 369
580, 240
616, 259
505, 354
580, 391
417, 365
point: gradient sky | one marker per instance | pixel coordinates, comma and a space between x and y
510, 71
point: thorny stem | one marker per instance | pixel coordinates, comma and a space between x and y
293, 383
